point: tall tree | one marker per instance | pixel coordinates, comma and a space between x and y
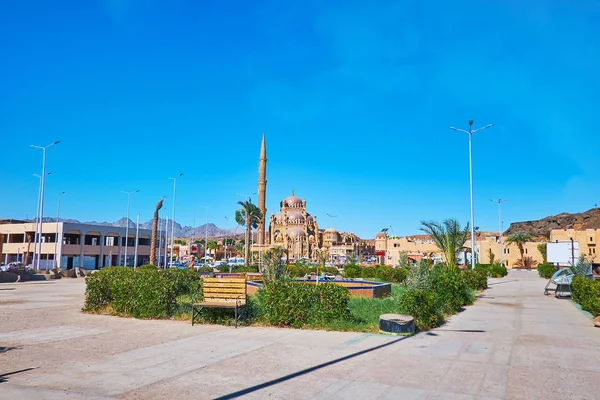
213, 245
519, 239
448, 236
543, 249
154, 231
248, 216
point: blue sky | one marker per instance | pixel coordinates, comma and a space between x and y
354, 97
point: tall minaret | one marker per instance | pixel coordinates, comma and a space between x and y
262, 189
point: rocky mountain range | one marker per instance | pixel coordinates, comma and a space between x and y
180, 231
541, 228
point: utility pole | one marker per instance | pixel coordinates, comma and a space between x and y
500, 201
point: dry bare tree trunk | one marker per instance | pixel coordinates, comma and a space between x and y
27, 253
154, 232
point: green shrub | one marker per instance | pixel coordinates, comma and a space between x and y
384, 273
586, 292
206, 269
186, 280
352, 271
497, 271
422, 306
546, 270
369, 272
147, 266
329, 270
298, 304
223, 268
450, 288
142, 293
153, 295
475, 279
250, 268
297, 271
400, 274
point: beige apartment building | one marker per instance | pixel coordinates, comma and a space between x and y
588, 241
418, 247
79, 245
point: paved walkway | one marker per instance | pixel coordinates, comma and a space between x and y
514, 343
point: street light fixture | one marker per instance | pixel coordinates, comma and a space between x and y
500, 201
470, 132
127, 221
41, 200
57, 220
173, 213
37, 220
206, 235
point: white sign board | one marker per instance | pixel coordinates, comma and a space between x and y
564, 253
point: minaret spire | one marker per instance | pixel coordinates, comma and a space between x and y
262, 189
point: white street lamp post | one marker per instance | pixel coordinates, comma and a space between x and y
41, 200
470, 132
500, 201
166, 241
137, 232
37, 222
127, 222
173, 212
57, 232
206, 235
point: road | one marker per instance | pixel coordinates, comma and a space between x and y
513, 343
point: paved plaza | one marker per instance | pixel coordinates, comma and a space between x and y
514, 343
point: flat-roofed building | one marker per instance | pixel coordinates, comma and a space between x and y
79, 246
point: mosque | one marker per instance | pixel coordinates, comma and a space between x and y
296, 230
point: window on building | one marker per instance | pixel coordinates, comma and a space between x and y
525, 251
591, 239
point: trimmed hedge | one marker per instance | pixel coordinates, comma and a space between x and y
492, 270
450, 288
421, 304
586, 292
145, 292
352, 271
296, 304
546, 270
476, 280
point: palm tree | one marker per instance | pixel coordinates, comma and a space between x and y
519, 239
448, 236
154, 231
249, 216
213, 245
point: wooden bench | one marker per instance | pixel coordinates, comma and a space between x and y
222, 293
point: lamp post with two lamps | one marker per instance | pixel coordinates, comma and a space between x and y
57, 230
470, 132
41, 199
127, 222
173, 212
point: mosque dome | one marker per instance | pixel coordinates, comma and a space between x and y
380, 235
295, 232
294, 216
309, 218
278, 216
292, 200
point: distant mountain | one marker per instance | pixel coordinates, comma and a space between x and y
541, 228
179, 231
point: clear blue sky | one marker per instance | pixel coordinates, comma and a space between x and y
354, 97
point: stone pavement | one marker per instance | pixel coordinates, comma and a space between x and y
514, 343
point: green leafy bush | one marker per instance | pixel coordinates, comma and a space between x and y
400, 274
250, 268
297, 271
298, 304
329, 270
476, 279
422, 306
384, 273
142, 293
497, 271
450, 288
148, 266
546, 270
369, 272
352, 271
186, 280
206, 269
586, 292
223, 268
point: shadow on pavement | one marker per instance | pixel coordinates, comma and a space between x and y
304, 371
4, 349
499, 283
3, 376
